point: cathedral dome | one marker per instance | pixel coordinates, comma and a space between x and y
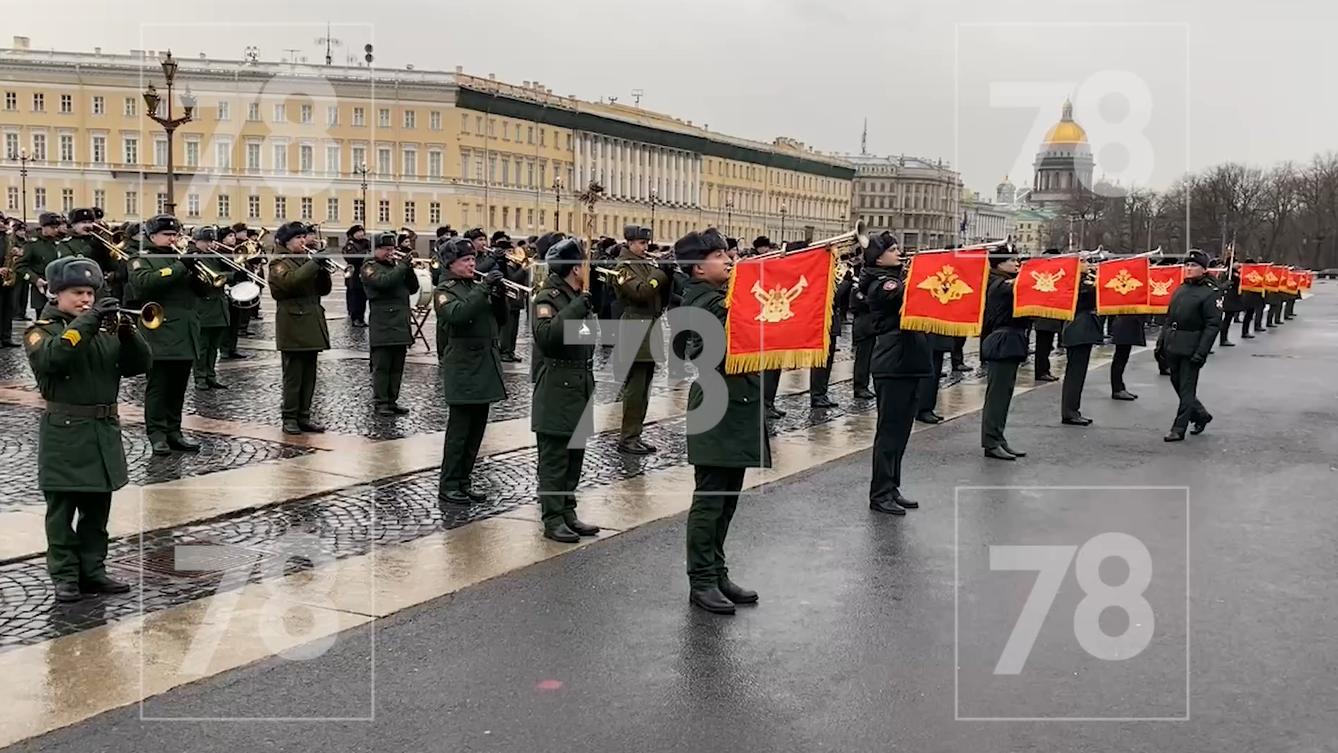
1066, 132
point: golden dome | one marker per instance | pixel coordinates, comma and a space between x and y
1066, 131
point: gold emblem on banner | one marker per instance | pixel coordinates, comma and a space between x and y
775, 303
1271, 279
1254, 278
1046, 281
945, 286
1161, 288
1124, 283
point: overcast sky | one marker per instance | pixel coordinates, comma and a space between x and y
973, 83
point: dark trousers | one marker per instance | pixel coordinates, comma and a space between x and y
206, 352
928, 386
1001, 378
770, 386
1246, 319
240, 318
1289, 308
1274, 314
76, 553
958, 351
387, 363
510, 331
1045, 345
1259, 318
820, 377
896, 416
37, 300
11, 305
559, 473
1075, 378
356, 300
636, 398
1117, 367
164, 396
863, 362
714, 500
1185, 380
1225, 330
299, 383
464, 436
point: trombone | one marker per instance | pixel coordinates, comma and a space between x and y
192, 261
148, 317
113, 240
234, 265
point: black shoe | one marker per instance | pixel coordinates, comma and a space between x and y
962, 368
235, 356
399, 410
928, 417
886, 506
1197, 427
561, 533
581, 528
736, 593
181, 444
385, 410
455, 498
905, 502
1174, 436
711, 600
864, 394
67, 593
311, 427
999, 453
214, 384
1079, 421
291, 427
159, 446
823, 403
201, 385
1228, 344
1014, 453
1125, 395
510, 359
359, 324
104, 585
476, 496
774, 413
634, 447
1247, 337
1047, 378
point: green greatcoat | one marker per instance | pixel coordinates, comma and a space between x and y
297, 283
37, 253
564, 381
739, 439
469, 316
77, 364
388, 286
159, 276
77, 245
643, 288
213, 305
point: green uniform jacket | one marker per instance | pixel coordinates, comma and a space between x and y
159, 276
77, 245
297, 283
469, 317
77, 364
564, 380
641, 287
1193, 319
37, 253
213, 305
739, 439
388, 286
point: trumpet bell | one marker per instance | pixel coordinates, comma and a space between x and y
151, 316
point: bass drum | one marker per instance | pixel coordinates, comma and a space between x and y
424, 298
245, 294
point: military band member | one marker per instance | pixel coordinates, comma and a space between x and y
1252, 306
771, 378
356, 253
297, 281
13, 288
564, 384
389, 281
861, 329
80, 242
161, 275
212, 307
1127, 331
642, 287
1078, 338
80, 457
720, 454
1192, 321
239, 317
1232, 304
820, 377
1275, 300
38, 252
1003, 347
469, 314
479, 239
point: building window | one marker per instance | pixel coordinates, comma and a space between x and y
39, 147
517, 133
383, 166
410, 119
434, 120
192, 153
39, 102
506, 217
131, 203
529, 135
506, 131
410, 213
307, 208
224, 110
131, 107
12, 145
253, 112
332, 159
383, 210
253, 156
66, 200
280, 207
11, 103
332, 209
280, 114
410, 159
383, 117
224, 206
359, 116
39, 199
506, 173
281, 159
434, 213
193, 204
478, 125
66, 147
160, 151
161, 203
359, 157
12, 194
434, 164
529, 218
223, 155
306, 159
359, 211
253, 207
464, 122
99, 105
304, 114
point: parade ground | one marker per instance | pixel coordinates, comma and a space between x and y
1107, 592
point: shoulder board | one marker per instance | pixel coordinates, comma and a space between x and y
42, 322
450, 283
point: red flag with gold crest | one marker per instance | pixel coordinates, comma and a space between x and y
1122, 286
1047, 286
1293, 283
1162, 284
945, 292
1253, 278
1307, 279
1274, 278
780, 311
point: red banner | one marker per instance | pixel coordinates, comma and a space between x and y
945, 292
1162, 284
1307, 279
1122, 286
1253, 278
1047, 286
1293, 283
780, 312
1273, 278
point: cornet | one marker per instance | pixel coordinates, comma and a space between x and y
148, 317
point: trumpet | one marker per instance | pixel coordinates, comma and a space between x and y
148, 317
113, 240
518, 257
209, 277
417, 262
329, 264
513, 289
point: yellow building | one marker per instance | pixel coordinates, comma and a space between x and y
271, 142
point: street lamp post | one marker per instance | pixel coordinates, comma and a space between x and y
23, 181
729, 216
782, 229
169, 123
557, 203
654, 197
361, 170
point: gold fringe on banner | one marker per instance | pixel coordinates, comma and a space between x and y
1044, 312
1155, 310
1116, 310
939, 327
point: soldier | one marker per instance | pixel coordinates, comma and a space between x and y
820, 377
80, 458
240, 316
469, 315
1254, 310
356, 250
1275, 299
80, 242
564, 384
643, 288
861, 330
901, 363
479, 239
161, 275
1003, 347
1078, 337
12, 286
496, 258
1127, 332
720, 453
1232, 304
1046, 330
212, 307
297, 281
389, 280
1192, 321
37, 254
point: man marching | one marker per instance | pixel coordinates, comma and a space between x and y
388, 282
1193, 319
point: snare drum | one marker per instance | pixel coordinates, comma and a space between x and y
245, 294
424, 299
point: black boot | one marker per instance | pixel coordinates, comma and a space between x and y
886, 506
181, 444
928, 417
1174, 436
159, 445
711, 600
290, 426
736, 593
67, 593
104, 585
581, 528
561, 533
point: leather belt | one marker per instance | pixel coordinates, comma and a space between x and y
84, 411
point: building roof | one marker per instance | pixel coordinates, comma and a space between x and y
1066, 132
